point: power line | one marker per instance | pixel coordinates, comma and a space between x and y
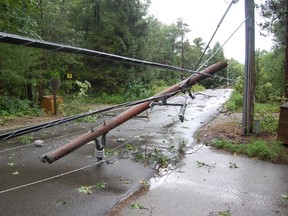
78, 169
29, 42
232, 2
222, 45
38, 127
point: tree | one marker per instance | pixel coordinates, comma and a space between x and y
182, 30
215, 55
269, 76
16, 62
276, 14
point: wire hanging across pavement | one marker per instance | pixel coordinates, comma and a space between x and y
38, 127
81, 168
25, 41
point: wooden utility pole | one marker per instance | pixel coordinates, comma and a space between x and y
249, 82
286, 51
62, 151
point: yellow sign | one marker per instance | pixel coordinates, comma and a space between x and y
69, 75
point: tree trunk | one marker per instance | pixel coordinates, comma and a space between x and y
29, 92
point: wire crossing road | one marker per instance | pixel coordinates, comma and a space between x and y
60, 193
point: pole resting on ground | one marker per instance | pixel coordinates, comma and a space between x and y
64, 150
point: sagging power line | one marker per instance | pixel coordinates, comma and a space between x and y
123, 117
42, 126
221, 20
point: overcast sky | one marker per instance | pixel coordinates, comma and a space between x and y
203, 16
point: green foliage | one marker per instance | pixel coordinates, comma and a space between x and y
285, 197
198, 88
225, 213
61, 202
269, 76
136, 206
85, 189
24, 139
83, 88
235, 102
89, 189
274, 19
95, 25
261, 149
12, 106
265, 113
105, 98
74, 105
101, 185
137, 90
233, 165
267, 107
200, 164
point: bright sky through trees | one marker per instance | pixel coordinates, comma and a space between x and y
204, 16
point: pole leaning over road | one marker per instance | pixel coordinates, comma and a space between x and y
126, 115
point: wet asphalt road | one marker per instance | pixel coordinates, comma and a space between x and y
254, 188
29, 187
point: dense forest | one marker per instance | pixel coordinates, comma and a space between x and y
121, 27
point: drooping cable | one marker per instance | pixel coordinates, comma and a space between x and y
232, 80
222, 46
203, 53
78, 169
29, 42
38, 127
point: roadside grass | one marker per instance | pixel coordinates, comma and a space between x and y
260, 149
235, 104
260, 146
266, 113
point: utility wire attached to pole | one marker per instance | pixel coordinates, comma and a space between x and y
232, 2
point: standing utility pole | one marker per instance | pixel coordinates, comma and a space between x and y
249, 85
286, 51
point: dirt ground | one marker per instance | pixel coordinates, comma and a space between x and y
20, 122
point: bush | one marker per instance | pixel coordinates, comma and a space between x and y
265, 114
11, 106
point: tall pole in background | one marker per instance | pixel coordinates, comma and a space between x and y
249, 82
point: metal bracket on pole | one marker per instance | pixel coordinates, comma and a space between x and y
182, 111
163, 102
99, 149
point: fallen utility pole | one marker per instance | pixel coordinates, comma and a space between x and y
126, 115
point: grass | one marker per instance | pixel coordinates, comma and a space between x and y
261, 149
266, 113
235, 104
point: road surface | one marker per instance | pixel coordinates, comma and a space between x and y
77, 185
